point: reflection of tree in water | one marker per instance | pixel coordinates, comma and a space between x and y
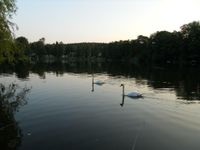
184, 81
11, 98
189, 90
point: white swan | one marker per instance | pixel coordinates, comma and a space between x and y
98, 82
132, 94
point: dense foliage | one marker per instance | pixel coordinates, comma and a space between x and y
182, 47
9, 50
162, 47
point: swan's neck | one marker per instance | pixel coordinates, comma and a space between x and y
123, 90
92, 78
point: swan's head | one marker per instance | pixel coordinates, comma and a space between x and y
121, 85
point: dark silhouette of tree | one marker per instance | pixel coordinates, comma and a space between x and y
11, 98
191, 40
161, 48
38, 47
164, 47
22, 48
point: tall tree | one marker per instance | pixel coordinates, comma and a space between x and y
7, 9
22, 46
191, 38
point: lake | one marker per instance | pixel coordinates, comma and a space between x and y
57, 106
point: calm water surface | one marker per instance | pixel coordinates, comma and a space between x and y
60, 108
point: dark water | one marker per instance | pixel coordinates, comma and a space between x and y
49, 107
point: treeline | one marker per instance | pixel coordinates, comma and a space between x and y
178, 47
162, 47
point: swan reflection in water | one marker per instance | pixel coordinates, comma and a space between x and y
97, 82
132, 95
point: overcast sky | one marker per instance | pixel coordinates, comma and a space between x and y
73, 21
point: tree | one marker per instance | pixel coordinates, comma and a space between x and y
191, 37
164, 47
38, 47
21, 48
59, 49
7, 9
22, 44
141, 46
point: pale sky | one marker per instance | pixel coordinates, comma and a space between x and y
73, 21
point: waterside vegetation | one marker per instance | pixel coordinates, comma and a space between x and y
162, 47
